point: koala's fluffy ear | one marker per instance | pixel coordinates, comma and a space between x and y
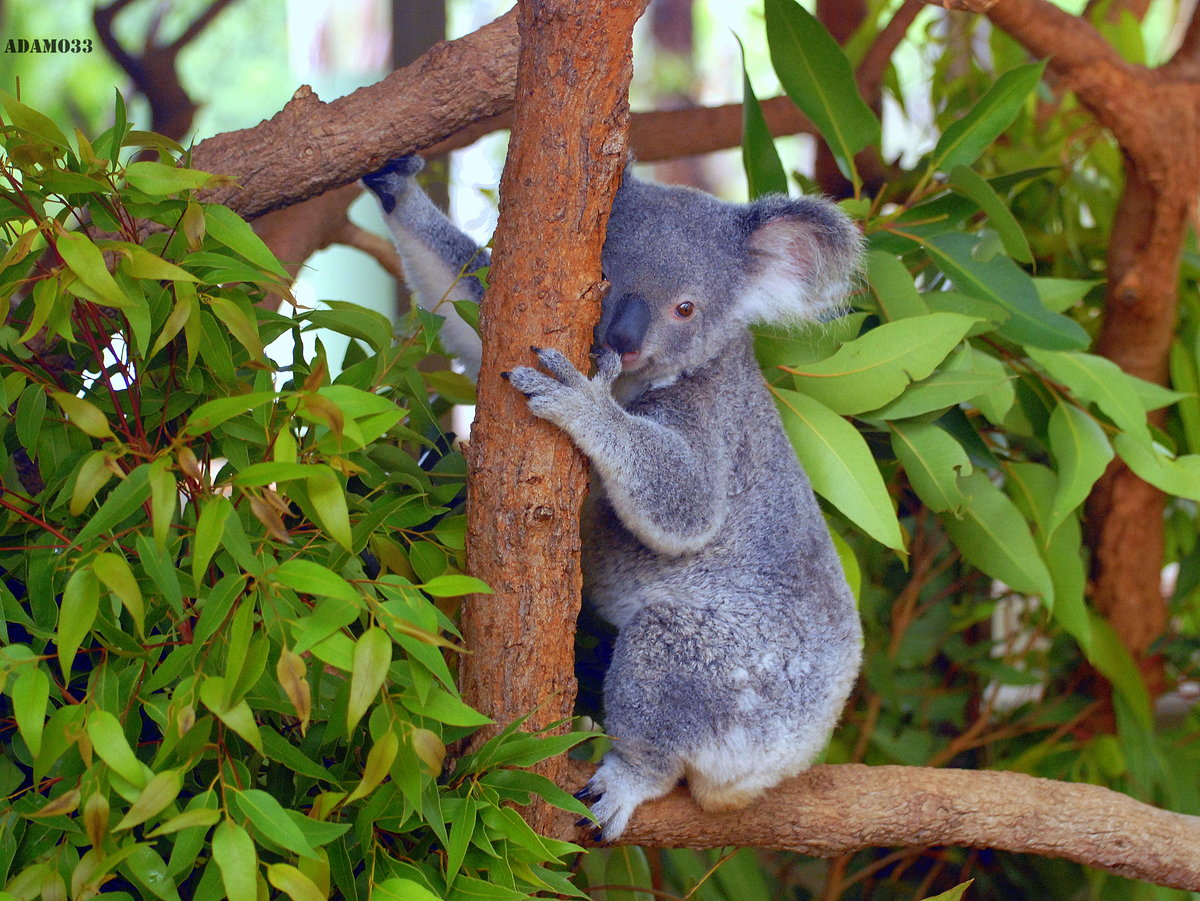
803, 257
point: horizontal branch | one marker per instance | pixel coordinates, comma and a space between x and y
832, 810
310, 146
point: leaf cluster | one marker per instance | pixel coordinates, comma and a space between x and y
230, 565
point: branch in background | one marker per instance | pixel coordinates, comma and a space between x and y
154, 72
832, 810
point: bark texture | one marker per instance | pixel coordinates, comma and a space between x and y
832, 810
526, 480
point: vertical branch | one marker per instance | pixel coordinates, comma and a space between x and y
526, 480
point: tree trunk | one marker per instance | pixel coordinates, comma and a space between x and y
526, 481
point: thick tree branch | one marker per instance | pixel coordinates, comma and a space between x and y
832, 810
310, 146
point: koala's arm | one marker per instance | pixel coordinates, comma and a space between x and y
668, 485
437, 257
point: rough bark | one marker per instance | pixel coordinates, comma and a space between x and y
833, 810
526, 481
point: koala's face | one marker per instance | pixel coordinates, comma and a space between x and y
689, 272
675, 259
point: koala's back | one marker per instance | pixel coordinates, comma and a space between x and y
755, 637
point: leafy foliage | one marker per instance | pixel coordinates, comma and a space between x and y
229, 566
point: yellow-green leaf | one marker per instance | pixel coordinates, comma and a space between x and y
113, 570
329, 502
379, 761
163, 494
30, 694
236, 858
292, 674
77, 613
159, 792
293, 883
85, 415
85, 260
369, 667
109, 742
94, 474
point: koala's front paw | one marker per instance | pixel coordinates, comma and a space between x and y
392, 180
564, 395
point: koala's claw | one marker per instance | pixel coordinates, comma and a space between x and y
587, 793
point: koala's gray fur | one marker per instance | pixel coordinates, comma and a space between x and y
738, 639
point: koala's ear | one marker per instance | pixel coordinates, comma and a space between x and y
803, 255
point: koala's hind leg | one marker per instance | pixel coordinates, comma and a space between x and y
625, 778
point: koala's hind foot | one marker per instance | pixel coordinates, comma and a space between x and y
618, 787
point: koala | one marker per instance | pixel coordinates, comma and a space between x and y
738, 640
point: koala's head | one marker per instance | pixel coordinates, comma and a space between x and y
690, 272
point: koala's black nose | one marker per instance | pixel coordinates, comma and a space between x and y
631, 318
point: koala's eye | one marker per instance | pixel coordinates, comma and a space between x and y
685, 310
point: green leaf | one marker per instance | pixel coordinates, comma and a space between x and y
1097, 381
943, 389
109, 742
1082, 452
975, 187
239, 717
158, 794
94, 473
77, 613
211, 414
892, 285
293, 883
839, 465
33, 122
268, 817
1179, 476
1117, 665
227, 227
234, 854
308, 577
452, 586
163, 495
83, 414
126, 499
1000, 281
329, 503
874, 369
963, 141
954, 894
87, 262
30, 695
240, 325
402, 890
114, 572
210, 526
462, 827
817, 77
934, 462
189, 819
369, 668
764, 171
627, 866
1061, 294
141, 263
161, 179
992, 535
